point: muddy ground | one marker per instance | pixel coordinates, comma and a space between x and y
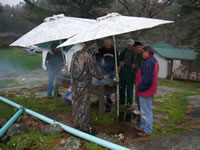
120, 132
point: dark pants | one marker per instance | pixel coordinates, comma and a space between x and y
126, 84
51, 77
137, 98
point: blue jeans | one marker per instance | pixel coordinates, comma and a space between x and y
51, 77
137, 99
108, 81
146, 114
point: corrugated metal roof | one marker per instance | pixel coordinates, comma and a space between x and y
171, 52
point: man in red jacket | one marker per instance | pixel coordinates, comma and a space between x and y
146, 88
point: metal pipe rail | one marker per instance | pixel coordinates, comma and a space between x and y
68, 129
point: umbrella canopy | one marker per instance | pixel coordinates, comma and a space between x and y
113, 24
53, 28
68, 55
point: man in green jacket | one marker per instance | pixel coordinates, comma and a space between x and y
127, 65
138, 46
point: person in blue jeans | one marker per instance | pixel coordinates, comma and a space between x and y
105, 59
146, 88
54, 63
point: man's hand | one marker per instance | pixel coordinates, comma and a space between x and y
133, 66
106, 76
102, 62
121, 64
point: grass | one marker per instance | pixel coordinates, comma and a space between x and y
107, 120
42, 104
31, 102
173, 110
6, 111
91, 146
185, 85
32, 140
14, 59
14, 63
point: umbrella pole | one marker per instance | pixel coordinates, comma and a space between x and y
63, 54
116, 76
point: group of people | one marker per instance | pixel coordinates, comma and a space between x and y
91, 65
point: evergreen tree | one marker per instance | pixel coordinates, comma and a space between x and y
40, 9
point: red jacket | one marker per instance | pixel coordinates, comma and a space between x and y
146, 78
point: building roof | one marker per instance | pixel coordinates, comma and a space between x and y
170, 52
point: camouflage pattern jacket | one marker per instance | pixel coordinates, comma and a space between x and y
83, 66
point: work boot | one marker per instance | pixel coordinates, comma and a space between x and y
57, 95
109, 100
138, 128
143, 134
136, 112
90, 130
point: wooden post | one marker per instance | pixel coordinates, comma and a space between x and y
100, 93
189, 69
116, 76
171, 69
101, 106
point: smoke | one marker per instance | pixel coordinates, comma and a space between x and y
8, 67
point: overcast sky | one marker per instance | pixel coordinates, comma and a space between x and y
10, 2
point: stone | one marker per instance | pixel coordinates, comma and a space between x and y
52, 129
62, 118
162, 90
194, 100
4, 138
72, 143
194, 115
161, 99
2, 122
16, 129
189, 140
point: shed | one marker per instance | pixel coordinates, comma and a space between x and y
170, 57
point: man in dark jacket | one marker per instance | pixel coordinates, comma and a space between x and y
146, 88
83, 67
54, 64
106, 63
138, 46
126, 73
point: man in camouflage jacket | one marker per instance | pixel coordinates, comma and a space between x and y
83, 68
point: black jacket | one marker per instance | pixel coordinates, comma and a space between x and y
54, 60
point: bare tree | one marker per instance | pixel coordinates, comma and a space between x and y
144, 8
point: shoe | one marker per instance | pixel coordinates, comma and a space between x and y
138, 128
143, 134
57, 95
136, 112
109, 101
90, 130
49, 97
128, 106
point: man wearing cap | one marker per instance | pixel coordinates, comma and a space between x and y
54, 63
126, 73
138, 46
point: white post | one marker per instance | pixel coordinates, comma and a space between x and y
116, 74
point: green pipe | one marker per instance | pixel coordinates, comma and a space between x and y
10, 122
69, 129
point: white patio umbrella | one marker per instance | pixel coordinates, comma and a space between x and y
113, 24
110, 25
53, 28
